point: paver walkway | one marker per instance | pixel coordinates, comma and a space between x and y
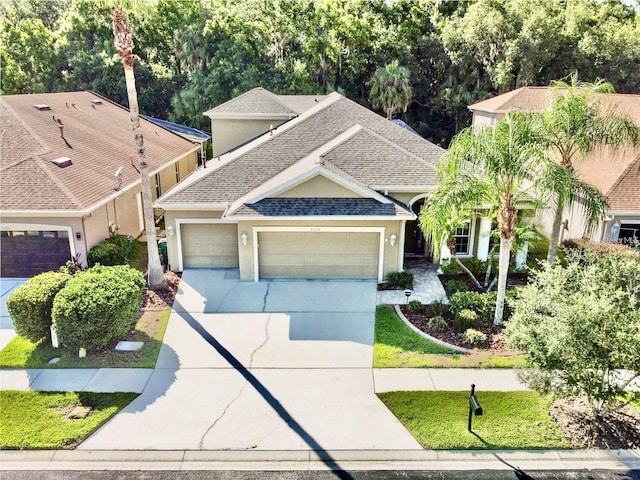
426, 288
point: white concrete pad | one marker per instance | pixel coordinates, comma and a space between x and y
407, 379
8, 285
6, 335
63, 380
503, 380
18, 379
108, 380
280, 410
459, 379
321, 296
124, 346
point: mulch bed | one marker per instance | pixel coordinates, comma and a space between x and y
162, 299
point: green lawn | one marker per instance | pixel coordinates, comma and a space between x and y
396, 345
41, 420
511, 420
21, 353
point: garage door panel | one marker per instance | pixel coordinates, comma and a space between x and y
343, 255
206, 245
28, 253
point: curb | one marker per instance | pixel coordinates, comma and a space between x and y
623, 460
426, 335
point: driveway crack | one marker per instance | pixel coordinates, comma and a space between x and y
246, 382
266, 294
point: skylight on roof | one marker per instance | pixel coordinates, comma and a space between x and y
96, 102
41, 106
62, 161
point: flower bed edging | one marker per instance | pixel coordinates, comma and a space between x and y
426, 335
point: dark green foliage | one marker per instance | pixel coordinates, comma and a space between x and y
415, 306
400, 279
454, 286
484, 304
109, 252
30, 304
98, 306
437, 324
437, 308
466, 319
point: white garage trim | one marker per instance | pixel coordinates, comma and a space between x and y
256, 230
179, 222
42, 227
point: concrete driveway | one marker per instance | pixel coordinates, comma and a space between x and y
281, 365
7, 285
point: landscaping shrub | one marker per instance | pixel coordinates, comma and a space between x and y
437, 308
400, 279
98, 306
30, 304
484, 304
111, 251
466, 319
437, 324
474, 337
447, 267
454, 286
415, 306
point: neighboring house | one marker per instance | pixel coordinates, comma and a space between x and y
302, 187
68, 176
617, 175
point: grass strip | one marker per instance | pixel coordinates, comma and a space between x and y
150, 329
511, 420
45, 420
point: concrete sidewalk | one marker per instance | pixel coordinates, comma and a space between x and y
135, 379
307, 460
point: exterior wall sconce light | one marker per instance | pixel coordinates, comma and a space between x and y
245, 238
170, 231
392, 239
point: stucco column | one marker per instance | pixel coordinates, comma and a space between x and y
484, 236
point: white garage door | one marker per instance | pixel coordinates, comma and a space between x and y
348, 255
206, 245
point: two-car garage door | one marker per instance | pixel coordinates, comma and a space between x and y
348, 255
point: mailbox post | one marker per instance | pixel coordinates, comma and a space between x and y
474, 405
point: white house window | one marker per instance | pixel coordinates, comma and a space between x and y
158, 190
462, 236
177, 172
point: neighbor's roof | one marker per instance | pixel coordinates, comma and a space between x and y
190, 133
261, 102
97, 139
380, 153
613, 173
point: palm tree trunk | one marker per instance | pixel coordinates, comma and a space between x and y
503, 270
555, 233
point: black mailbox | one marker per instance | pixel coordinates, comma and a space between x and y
474, 405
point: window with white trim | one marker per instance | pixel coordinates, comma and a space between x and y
158, 190
462, 235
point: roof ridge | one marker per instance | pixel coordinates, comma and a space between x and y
623, 175
43, 146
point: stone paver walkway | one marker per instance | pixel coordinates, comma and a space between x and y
426, 288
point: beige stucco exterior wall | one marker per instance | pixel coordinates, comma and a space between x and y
390, 257
127, 214
229, 133
485, 119
408, 197
319, 187
96, 226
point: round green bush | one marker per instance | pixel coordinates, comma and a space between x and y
98, 306
454, 286
112, 251
30, 304
474, 337
437, 324
415, 306
466, 319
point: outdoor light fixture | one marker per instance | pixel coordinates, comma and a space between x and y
245, 238
407, 293
170, 230
392, 239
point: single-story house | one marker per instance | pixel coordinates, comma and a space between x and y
69, 177
305, 187
615, 174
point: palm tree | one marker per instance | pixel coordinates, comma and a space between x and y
497, 167
573, 126
123, 39
391, 89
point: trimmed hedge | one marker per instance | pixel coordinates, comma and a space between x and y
400, 279
455, 286
111, 251
30, 304
98, 306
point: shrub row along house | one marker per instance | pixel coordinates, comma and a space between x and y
68, 176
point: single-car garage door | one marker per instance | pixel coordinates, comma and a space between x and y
348, 255
27, 253
207, 245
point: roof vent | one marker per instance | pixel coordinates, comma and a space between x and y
41, 107
62, 161
96, 102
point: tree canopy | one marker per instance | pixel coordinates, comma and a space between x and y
197, 54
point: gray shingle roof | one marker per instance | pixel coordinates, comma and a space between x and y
370, 159
261, 101
302, 207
